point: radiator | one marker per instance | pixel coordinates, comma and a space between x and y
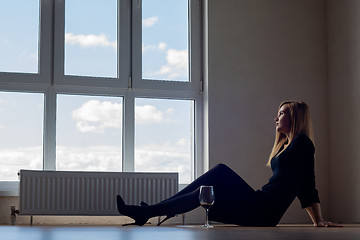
90, 193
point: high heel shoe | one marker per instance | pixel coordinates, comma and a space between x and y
144, 204
135, 212
166, 218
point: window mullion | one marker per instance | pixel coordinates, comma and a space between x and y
124, 40
136, 43
49, 154
46, 40
59, 36
200, 160
47, 61
128, 142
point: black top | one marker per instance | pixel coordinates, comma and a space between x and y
293, 176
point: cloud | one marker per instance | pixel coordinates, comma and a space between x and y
93, 158
161, 47
149, 22
170, 111
34, 56
89, 40
177, 65
2, 101
14, 159
146, 114
95, 116
166, 157
183, 142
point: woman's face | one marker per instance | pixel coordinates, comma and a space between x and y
283, 120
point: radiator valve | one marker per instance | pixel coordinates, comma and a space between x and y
13, 214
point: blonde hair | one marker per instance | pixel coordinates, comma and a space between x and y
300, 123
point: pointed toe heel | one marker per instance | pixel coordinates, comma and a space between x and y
137, 213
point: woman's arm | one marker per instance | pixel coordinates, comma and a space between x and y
315, 214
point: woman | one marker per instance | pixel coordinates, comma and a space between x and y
292, 163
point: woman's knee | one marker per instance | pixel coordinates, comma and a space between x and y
222, 167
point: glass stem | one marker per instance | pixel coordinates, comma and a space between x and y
207, 217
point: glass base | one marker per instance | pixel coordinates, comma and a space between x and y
207, 226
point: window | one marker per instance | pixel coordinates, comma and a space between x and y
164, 136
89, 133
165, 39
117, 84
91, 38
21, 129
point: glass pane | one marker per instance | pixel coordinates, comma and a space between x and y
91, 38
19, 24
89, 133
21, 131
165, 40
164, 136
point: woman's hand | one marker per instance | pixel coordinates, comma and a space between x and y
314, 212
323, 223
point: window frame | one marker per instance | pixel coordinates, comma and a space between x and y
129, 85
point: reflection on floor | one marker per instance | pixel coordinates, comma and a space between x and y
181, 232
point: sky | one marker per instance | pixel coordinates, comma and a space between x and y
89, 128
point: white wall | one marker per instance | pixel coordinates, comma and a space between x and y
260, 53
344, 80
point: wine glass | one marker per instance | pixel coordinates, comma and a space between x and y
207, 199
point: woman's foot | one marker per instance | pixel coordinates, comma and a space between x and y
138, 213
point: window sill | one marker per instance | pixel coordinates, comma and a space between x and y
9, 188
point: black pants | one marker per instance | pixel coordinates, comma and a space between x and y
235, 200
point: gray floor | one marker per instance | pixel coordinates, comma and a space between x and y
219, 232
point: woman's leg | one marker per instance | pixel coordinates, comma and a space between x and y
225, 181
171, 207
219, 175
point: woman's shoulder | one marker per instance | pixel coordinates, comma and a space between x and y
303, 141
